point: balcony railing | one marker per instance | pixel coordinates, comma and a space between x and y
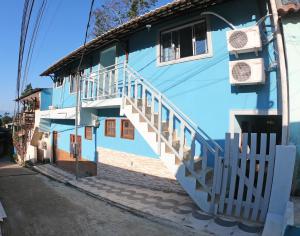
102, 84
25, 120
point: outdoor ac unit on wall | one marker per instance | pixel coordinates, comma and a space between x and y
247, 72
244, 40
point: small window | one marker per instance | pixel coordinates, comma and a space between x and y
88, 132
59, 81
127, 129
186, 41
73, 83
110, 128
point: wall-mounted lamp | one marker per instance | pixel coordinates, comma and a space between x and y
148, 27
96, 123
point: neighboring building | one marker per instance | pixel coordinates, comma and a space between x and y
151, 81
27, 136
289, 11
9, 126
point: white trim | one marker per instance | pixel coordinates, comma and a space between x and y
63, 83
63, 113
283, 92
190, 58
233, 113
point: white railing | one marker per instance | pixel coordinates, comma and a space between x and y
247, 175
190, 144
102, 84
180, 135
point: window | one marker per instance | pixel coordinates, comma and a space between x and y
73, 83
183, 42
110, 128
88, 132
59, 81
127, 129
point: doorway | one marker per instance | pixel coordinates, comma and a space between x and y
72, 141
259, 124
54, 146
107, 76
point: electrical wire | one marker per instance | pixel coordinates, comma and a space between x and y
27, 10
24, 31
32, 42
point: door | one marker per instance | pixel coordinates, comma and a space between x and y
54, 146
107, 72
40, 155
72, 141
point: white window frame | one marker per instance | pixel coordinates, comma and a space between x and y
190, 58
70, 79
63, 83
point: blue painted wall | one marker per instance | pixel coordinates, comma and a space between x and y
137, 146
62, 98
64, 129
46, 99
200, 88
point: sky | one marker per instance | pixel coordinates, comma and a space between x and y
62, 31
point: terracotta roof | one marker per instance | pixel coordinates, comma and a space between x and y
172, 9
289, 7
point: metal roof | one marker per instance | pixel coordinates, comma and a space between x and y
172, 9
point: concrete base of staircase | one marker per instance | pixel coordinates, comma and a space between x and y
136, 170
163, 206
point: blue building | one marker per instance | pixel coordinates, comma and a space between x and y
288, 11
169, 84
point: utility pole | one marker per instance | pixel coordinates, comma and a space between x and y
77, 112
78, 97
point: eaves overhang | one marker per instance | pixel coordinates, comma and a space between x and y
173, 9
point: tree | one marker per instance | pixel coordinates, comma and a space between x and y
116, 12
27, 89
5, 118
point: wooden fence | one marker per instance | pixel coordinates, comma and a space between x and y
246, 175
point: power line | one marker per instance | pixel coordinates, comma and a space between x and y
32, 42
28, 5
27, 10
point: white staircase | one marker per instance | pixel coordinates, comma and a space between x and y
183, 147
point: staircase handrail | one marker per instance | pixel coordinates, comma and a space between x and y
192, 124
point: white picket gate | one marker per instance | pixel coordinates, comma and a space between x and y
247, 174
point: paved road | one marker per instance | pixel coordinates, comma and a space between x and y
36, 205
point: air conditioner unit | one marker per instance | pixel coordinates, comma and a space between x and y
244, 40
247, 72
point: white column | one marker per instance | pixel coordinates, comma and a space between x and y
277, 218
